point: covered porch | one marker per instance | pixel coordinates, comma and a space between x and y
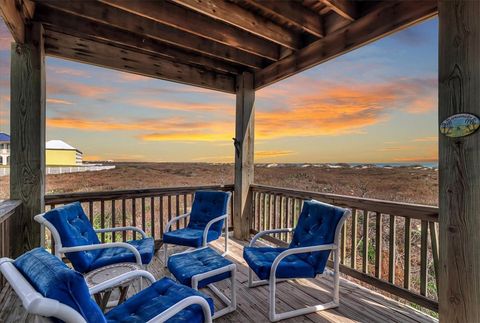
240, 47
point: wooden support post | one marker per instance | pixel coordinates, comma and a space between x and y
459, 162
27, 121
244, 138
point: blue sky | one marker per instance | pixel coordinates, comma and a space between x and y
375, 104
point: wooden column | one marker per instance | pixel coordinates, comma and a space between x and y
459, 163
244, 139
27, 123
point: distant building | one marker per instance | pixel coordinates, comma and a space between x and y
4, 149
59, 153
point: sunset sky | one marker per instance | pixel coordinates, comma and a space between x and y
375, 104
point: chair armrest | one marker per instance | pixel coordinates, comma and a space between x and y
175, 219
115, 281
209, 224
293, 251
260, 234
125, 245
129, 228
181, 305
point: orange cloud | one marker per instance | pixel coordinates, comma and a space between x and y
396, 148
6, 38
133, 77
67, 71
426, 139
59, 101
184, 106
272, 153
78, 89
427, 159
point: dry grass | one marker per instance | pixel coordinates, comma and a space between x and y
403, 184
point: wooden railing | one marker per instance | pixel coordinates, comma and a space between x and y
7, 210
148, 209
391, 246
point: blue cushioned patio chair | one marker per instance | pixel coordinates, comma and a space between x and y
209, 214
317, 233
75, 237
47, 287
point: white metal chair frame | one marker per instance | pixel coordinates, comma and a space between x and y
230, 302
334, 247
205, 231
36, 304
61, 250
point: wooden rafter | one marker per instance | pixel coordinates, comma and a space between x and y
15, 13
382, 20
241, 18
293, 12
345, 8
67, 23
124, 20
194, 23
123, 59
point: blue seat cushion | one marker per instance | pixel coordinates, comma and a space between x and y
154, 300
74, 229
206, 206
110, 256
185, 266
53, 279
260, 260
189, 237
316, 226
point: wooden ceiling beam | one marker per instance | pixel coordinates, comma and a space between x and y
293, 12
81, 27
15, 14
345, 8
124, 20
125, 60
380, 21
234, 15
194, 23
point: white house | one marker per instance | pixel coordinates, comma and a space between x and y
4, 149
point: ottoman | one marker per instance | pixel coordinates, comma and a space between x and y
202, 267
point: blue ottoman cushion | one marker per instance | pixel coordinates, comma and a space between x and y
189, 237
260, 260
157, 298
187, 265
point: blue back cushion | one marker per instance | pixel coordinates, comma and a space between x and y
74, 229
53, 279
206, 206
316, 226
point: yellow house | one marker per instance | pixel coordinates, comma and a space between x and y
59, 153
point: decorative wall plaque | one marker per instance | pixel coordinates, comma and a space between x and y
459, 125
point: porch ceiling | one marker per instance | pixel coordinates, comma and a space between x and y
207, 43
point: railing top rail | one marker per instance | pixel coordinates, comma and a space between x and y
133, 193
7, 208
408, 210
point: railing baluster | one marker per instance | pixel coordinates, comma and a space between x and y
285, 216
391, 247
113, 220
343, 244
143, 214
275, 214
177, 208
170, 210
124, 219
162, 217
90, 211
102, 219
365, 241
378, 244
423, 258
152, 217
353, 252
434, 242
184, 209
407, 259
134, 217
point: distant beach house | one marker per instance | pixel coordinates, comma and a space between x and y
4, 149
59, 153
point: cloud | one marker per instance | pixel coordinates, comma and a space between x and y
396, 148
6, 38
78, 89
133, 77
66, 71
58, 101
424, 158
272, 153
426, 139
184, 106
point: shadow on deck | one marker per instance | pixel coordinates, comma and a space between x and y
357, 304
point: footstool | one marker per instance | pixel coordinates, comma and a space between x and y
202, 267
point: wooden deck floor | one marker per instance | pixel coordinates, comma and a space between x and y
358, 304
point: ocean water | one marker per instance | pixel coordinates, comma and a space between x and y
409, 164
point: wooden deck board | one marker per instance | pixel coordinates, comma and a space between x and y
358, 304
